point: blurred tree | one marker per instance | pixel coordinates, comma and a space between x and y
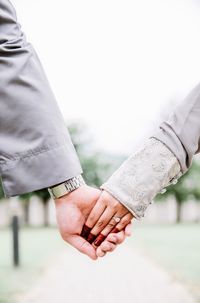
97, 166
1, 191
25, 198
44, 196
188, 187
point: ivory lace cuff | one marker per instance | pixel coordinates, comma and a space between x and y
142, 176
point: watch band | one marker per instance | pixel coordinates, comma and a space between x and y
66, 187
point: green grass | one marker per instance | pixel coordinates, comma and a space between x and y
175, 247
37, 247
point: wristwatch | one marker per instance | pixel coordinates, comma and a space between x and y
66, 187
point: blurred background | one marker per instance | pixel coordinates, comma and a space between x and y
117, 68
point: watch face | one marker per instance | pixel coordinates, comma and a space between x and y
60, 191
66, 187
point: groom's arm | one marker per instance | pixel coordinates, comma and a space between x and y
35, 148
161, 161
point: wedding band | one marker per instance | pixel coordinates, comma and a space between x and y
117, 219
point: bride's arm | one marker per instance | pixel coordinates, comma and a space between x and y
161, 161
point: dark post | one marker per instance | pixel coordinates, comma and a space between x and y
15, 233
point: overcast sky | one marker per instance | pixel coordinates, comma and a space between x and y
116, 64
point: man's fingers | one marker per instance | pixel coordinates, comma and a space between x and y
110, 243
82, 245
116, 238
101, 253
108, 246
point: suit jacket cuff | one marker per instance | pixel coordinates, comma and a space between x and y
40, 170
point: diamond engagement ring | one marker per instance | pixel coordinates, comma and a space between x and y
117, 219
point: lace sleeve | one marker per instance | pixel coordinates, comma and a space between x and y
143, 175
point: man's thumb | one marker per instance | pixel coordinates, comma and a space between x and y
82, 245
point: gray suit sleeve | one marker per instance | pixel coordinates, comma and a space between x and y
35, 147
181, 133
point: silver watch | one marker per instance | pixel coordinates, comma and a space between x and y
66, 187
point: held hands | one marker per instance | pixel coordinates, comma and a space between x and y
86, 217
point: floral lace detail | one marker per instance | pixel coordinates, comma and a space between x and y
142, 176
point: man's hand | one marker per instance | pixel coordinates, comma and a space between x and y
72, 211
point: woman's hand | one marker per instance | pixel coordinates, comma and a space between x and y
108, 215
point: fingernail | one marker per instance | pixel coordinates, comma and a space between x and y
99, 240
115, 230
85, 231
91, 238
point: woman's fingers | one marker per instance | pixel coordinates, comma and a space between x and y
105, 213
95, 213
104, 219
93, 217
128, 230
125, 220
108, 221
86, 230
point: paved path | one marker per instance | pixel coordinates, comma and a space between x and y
123, 277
